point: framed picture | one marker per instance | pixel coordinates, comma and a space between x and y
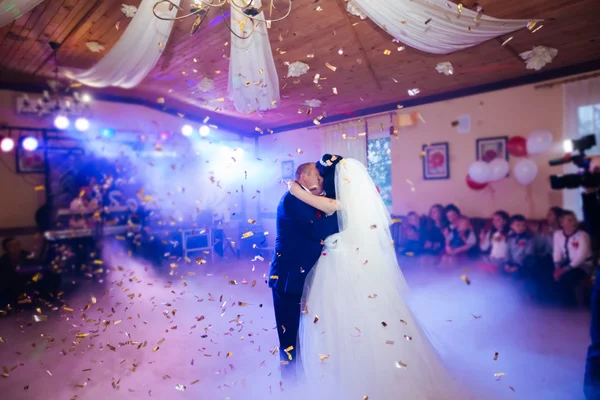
435, 161
287, 169
489, 149
30, 162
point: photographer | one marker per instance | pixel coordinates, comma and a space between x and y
591, 213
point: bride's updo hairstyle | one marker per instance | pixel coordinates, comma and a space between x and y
326, 166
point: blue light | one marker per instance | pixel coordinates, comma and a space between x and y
108, 132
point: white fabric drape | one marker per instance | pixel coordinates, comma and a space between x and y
446, 32
347, 139
136, 52
581, 116
13, 9
253, 81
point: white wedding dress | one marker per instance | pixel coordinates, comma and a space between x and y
358, 339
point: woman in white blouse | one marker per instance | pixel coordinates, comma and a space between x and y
493, 242
572, 254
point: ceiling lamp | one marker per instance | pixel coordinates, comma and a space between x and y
30, 143
204, 131
6, 144
200, 9
61, 122
187, 130
82, 124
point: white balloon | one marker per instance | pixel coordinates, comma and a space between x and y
539, 141
525, 171
499, 169
480, 172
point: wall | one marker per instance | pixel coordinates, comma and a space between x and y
510, 112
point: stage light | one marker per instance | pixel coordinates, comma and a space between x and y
82, 124
187, 130
86, 98
6, 144
61, 122
107, 132
567, 146
30, 143
204, 131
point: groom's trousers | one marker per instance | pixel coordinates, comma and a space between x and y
287, 315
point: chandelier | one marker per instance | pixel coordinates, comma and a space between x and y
249, 14
55, 100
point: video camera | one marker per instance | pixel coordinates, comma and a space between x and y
584, 179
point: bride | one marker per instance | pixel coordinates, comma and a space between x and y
358, 338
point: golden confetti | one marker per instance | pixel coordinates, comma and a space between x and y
160, 44
384, 324
335, 91
331, 67
316, 319
428, 21
460, 7
229, 354
466, 279
316, 121
387, 52
537, 29
194, 382
39, 188
318, 9
117, 25
247, 234
82, 335
496, 356
232, 282
299, 151
40, 318
257, 129
365, 397
511, 388
400, 364
373, 226
2, 340
36, 277
507, 40
531, 24
407, 337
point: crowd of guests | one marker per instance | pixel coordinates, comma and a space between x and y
552, 262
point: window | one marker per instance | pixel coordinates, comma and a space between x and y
589, 123
379, 159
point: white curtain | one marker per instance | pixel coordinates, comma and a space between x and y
13, 9
581, 116
347, 139
253, 82
136, 52
447, 30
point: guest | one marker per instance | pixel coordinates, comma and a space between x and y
452, 216
572, 256
432, 235
527, 256
553, 224
461, 244
411, 235
493, 242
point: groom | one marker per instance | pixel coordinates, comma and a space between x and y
298, 245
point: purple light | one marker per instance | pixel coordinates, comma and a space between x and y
61, 122
30, 143
7, 144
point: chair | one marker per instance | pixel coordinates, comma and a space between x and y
193, 240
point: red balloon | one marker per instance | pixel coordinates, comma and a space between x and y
517, 146
474, 185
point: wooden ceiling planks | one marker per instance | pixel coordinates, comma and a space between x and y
364, 76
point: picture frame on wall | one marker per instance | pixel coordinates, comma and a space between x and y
436, 163
488, 149
287, 169
30, 162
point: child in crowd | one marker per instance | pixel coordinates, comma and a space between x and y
527, 255
432, 235
492, 243
461, 243
411, 235
572, 257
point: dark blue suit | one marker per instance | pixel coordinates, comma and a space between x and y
300, 231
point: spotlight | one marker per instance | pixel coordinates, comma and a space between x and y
204, 131
6, 144
86, 98
30, 143
61, 122
82, 124
107, 132
187, 130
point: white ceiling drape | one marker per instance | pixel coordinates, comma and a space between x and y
13, 9
253, 82
135, 53
434, 26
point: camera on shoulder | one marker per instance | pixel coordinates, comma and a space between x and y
576, 154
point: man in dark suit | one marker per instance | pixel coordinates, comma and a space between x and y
300, 232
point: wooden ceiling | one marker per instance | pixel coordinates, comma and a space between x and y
365, 77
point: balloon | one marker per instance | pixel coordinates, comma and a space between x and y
499, 169
517, 146
480, 172
474, 185
525, 171
539, 141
